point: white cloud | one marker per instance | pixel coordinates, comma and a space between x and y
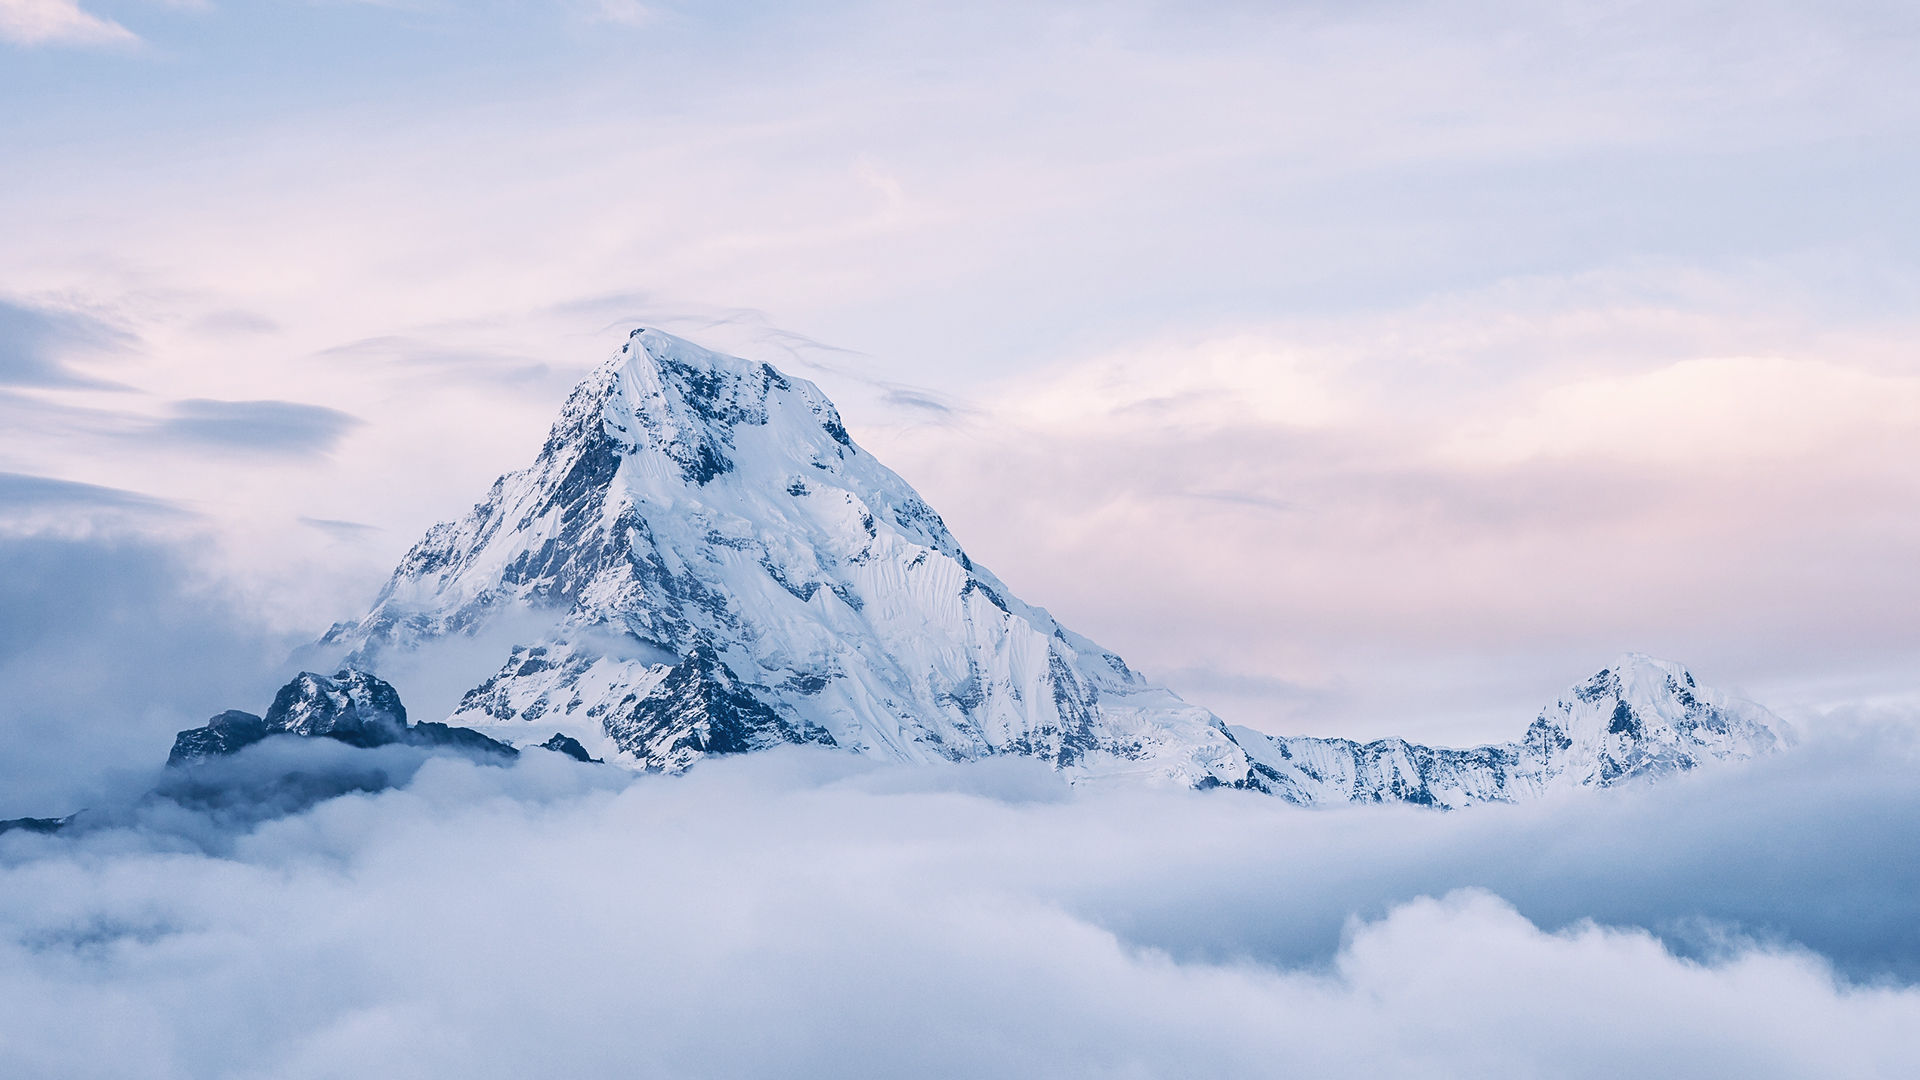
807, 914
1430, 520
1155, 388
1709, 413
629, 13
57, 22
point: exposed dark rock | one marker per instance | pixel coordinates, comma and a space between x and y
570, 746
36, 824
434, 733
352, 706
700, 707
224, 734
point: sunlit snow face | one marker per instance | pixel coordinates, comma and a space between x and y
803, 913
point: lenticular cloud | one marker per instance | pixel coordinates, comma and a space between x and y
803, 913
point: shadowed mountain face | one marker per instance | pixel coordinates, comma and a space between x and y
702, 561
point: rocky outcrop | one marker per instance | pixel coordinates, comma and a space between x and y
351, 706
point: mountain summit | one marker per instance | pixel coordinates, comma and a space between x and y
701, 560
718, 567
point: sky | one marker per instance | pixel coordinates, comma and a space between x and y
1355, 369
1359, 369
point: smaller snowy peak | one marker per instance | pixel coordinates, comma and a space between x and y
350, 706
1640, 718
1645, 716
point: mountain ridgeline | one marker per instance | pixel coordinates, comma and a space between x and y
702, 561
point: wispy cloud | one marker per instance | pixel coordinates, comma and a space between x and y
36, 343
58, 22
18, 490
342, 530
629, 13
271, 427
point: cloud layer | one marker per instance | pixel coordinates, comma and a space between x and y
268, 427
57, 22
804, 914
112, 640
34, 343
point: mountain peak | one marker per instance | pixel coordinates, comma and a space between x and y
722, 568
665, 398
701, 561
1650, 673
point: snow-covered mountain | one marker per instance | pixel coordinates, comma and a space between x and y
701, 560
720, 568
1639, 718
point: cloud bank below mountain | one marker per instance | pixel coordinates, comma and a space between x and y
805, 913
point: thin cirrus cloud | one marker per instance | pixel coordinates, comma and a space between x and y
288, 428
57, 22
36, 344
342, 530
24, 492
1710, 411
279, 431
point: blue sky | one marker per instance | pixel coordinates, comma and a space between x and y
1355, 368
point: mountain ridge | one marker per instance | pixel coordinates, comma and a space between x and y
714, 565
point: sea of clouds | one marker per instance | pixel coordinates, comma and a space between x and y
807, 913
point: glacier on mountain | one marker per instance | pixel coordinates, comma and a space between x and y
713, 565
